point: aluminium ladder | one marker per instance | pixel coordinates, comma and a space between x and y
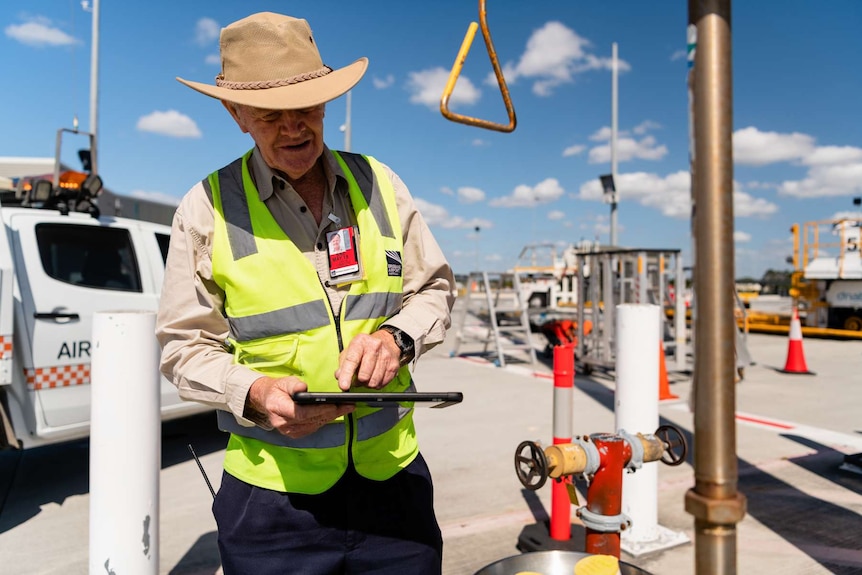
496, 305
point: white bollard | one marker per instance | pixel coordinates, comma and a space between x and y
125, 444
636, 411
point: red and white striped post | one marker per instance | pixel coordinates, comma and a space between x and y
564, 383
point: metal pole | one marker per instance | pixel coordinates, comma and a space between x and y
614, 143
715, 502
636, 410
347, 125
125, 444
94, 90
564, 384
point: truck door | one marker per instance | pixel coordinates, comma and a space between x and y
70, 268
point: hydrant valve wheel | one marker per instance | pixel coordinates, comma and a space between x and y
675, 448
531, 465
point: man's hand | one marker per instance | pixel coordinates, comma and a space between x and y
270, 399
370, 360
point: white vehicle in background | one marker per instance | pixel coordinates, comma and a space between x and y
60, 262
827, 280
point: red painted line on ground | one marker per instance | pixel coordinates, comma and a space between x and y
543, 375
475, 359
763, 422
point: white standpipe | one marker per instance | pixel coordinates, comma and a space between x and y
125, 444
636, 411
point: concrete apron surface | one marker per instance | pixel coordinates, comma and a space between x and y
792, 434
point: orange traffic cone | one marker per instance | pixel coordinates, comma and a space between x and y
663, 383
795, 356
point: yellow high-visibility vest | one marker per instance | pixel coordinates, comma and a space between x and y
282, 324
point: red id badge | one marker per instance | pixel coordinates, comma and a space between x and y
342, 246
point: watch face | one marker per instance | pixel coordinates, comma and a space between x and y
400, 339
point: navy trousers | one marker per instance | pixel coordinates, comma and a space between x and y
359, 526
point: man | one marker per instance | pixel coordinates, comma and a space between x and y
254, 308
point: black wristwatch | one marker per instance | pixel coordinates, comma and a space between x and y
404, 343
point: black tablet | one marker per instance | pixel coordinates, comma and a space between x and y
381, 399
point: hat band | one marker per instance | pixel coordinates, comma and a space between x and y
265, 84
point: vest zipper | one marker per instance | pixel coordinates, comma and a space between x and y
350, 416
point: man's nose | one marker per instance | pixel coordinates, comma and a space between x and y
292, 123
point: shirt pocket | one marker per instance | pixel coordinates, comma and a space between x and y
274, 358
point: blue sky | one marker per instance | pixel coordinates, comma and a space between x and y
797, 90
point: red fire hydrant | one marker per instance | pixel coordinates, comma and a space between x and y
600, 459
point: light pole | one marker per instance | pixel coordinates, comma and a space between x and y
476, 229
345, 127
610, 197
613, 197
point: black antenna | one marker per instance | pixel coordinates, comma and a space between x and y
201, 467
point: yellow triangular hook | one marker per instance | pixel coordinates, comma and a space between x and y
456, 71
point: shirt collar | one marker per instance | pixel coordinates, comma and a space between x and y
265, 178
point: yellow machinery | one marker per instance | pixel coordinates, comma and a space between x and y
826, 282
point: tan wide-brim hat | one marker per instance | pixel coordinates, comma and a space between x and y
271, 61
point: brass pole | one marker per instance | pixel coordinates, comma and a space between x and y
714, 501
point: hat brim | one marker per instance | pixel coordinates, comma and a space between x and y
305, 94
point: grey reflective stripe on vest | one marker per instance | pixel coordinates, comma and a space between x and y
208, 189
235, 211
293, 319
379, 422
379, 304
364, 175
330, 435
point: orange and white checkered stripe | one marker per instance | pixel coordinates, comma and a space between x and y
57, 376
5, 347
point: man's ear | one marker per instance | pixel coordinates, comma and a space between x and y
234, 112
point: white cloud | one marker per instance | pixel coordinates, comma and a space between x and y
383, 83
553, 56
832, 170
745, 205
39, 32
679, 55
170, 123
207, 31
160, 197
645, 127
573, 150
826, 180
603, 134
436, 215
554, 215
755, 185
671, 195
740, 237
213, 60
480, 143
426, 88
524, 196
824, 155
468, 195
629, 149
755, 148
446, 190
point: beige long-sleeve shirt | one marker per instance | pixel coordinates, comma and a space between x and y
191, 326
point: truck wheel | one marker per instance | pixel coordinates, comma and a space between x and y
853, 323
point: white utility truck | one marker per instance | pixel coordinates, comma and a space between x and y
827, 280
60, 262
